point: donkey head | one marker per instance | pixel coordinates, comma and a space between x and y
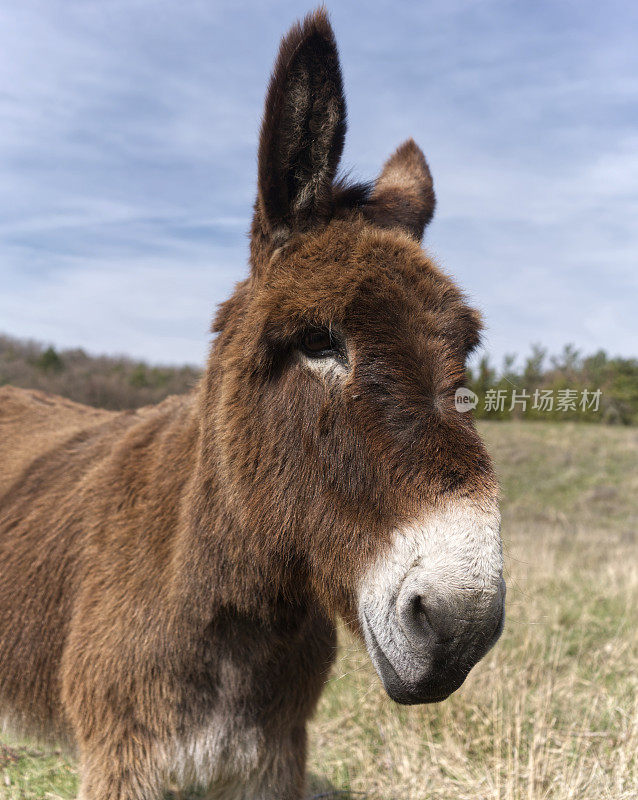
355, 480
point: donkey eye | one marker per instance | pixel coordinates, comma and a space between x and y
318, 343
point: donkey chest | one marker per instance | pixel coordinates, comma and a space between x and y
265, 690
217, 754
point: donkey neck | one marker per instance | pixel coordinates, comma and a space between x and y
221, 561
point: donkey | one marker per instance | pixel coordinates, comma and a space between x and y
170, 577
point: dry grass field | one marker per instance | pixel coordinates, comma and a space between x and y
552, 712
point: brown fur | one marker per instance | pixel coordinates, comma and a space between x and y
178, 569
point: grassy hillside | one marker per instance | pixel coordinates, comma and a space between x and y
552, 712
102, 381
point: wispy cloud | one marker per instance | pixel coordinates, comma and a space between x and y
128, 133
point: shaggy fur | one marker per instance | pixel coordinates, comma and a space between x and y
169, 577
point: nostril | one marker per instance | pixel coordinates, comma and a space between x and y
420, 611
432, 618
424, 619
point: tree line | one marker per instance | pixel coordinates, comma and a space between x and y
567, 386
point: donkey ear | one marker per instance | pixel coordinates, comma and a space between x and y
303, 130
403, 195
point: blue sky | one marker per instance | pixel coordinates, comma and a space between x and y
128, 135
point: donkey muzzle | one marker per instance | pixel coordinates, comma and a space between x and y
434, 604
441, 647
